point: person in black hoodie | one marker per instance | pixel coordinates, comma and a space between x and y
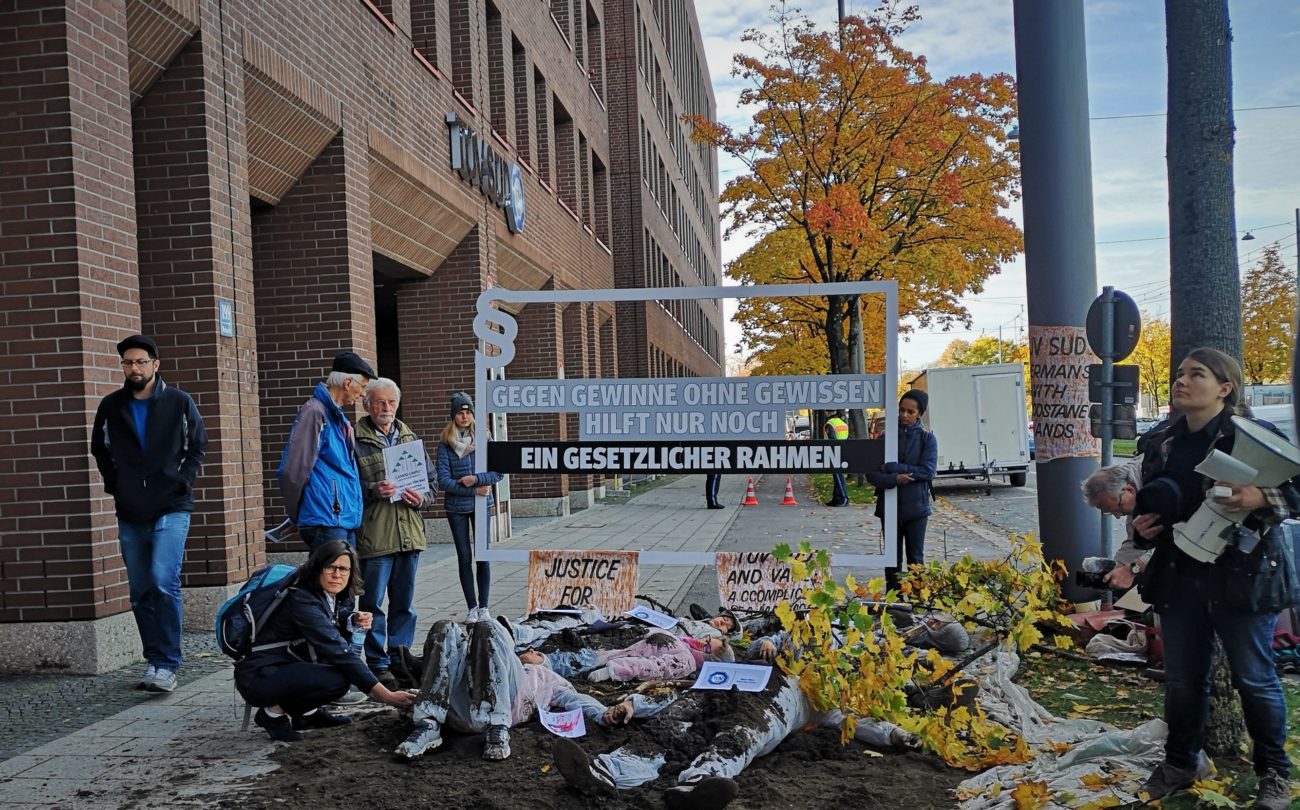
148, 442
302, 659
918, 455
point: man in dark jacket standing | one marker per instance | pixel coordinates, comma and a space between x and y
148, 442
318, 468
918, 455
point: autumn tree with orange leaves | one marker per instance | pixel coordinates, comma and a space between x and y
863, 167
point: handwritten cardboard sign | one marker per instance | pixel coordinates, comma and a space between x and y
757, 581
604, 580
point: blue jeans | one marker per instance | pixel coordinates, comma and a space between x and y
153, 553
462, 533
1247, 639
315, 536
840, 493
575, 664
392, 574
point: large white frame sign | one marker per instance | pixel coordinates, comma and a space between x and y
651, 411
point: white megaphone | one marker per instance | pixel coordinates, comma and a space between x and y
1259, 457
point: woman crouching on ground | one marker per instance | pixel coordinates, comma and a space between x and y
303, 659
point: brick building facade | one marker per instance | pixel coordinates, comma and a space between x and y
288, 162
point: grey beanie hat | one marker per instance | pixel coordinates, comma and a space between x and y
460, 401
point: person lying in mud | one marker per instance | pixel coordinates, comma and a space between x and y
474, 683
756, 724
532, 631
659, 656
938, 631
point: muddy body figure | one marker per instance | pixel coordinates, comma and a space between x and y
697, 730
657, 656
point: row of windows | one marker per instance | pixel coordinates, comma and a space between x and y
658, 271
531, 117
655, 175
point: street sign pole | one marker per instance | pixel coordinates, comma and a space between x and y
1107, 395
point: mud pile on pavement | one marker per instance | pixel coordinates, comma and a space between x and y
353, 767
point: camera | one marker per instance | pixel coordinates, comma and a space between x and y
1092, 572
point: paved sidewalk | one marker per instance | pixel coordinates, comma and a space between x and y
173, 750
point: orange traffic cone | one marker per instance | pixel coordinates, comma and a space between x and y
789, 494
750, 500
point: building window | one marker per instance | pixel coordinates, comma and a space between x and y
497, 68
562, 14
423, 29
600, 195
523, 110
542, 126
595, 52
566, 169
462, 49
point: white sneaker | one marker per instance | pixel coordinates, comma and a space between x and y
599, 675
147, 677
497, 746
164, 680
425, 737
351, 698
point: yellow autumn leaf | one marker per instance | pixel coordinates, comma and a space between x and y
1030, 795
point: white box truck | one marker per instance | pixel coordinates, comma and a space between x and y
977, 413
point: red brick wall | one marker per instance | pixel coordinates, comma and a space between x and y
538, 357
68, 294
184, 219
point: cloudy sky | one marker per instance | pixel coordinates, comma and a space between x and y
1126, 75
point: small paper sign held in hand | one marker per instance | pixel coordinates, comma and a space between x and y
652, 617
404, 466
745, 677
564, 724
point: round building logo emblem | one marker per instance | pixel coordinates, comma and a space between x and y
515, 208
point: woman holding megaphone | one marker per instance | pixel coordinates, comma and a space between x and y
1191, 594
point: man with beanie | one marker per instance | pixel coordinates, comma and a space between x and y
148, 442
318, 473
918, 455
837, 429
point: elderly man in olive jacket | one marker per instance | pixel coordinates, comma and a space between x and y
392, 531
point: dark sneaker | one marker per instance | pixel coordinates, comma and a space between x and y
385, 677
164, 680
1167, 779
280, 728
497, 746
321, 718
697, 611
1274, 791
579, 771
706, 793
425, 737
351, 698
147, 677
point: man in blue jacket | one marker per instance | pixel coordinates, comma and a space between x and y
318, 473
918, 455
148, 442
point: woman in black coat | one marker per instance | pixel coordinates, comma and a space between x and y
304, 659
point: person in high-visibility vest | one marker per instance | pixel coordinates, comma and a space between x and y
838, 430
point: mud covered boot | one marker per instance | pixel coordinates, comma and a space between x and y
497, 746
425, 737
702, 793
579, 771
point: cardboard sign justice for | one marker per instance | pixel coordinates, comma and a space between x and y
604, 580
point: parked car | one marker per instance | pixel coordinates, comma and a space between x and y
1145, 423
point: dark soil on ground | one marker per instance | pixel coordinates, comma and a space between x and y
354, 767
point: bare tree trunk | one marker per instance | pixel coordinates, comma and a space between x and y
1205, 294
857, 419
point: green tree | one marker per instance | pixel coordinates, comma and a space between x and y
881, 171
1268, 305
